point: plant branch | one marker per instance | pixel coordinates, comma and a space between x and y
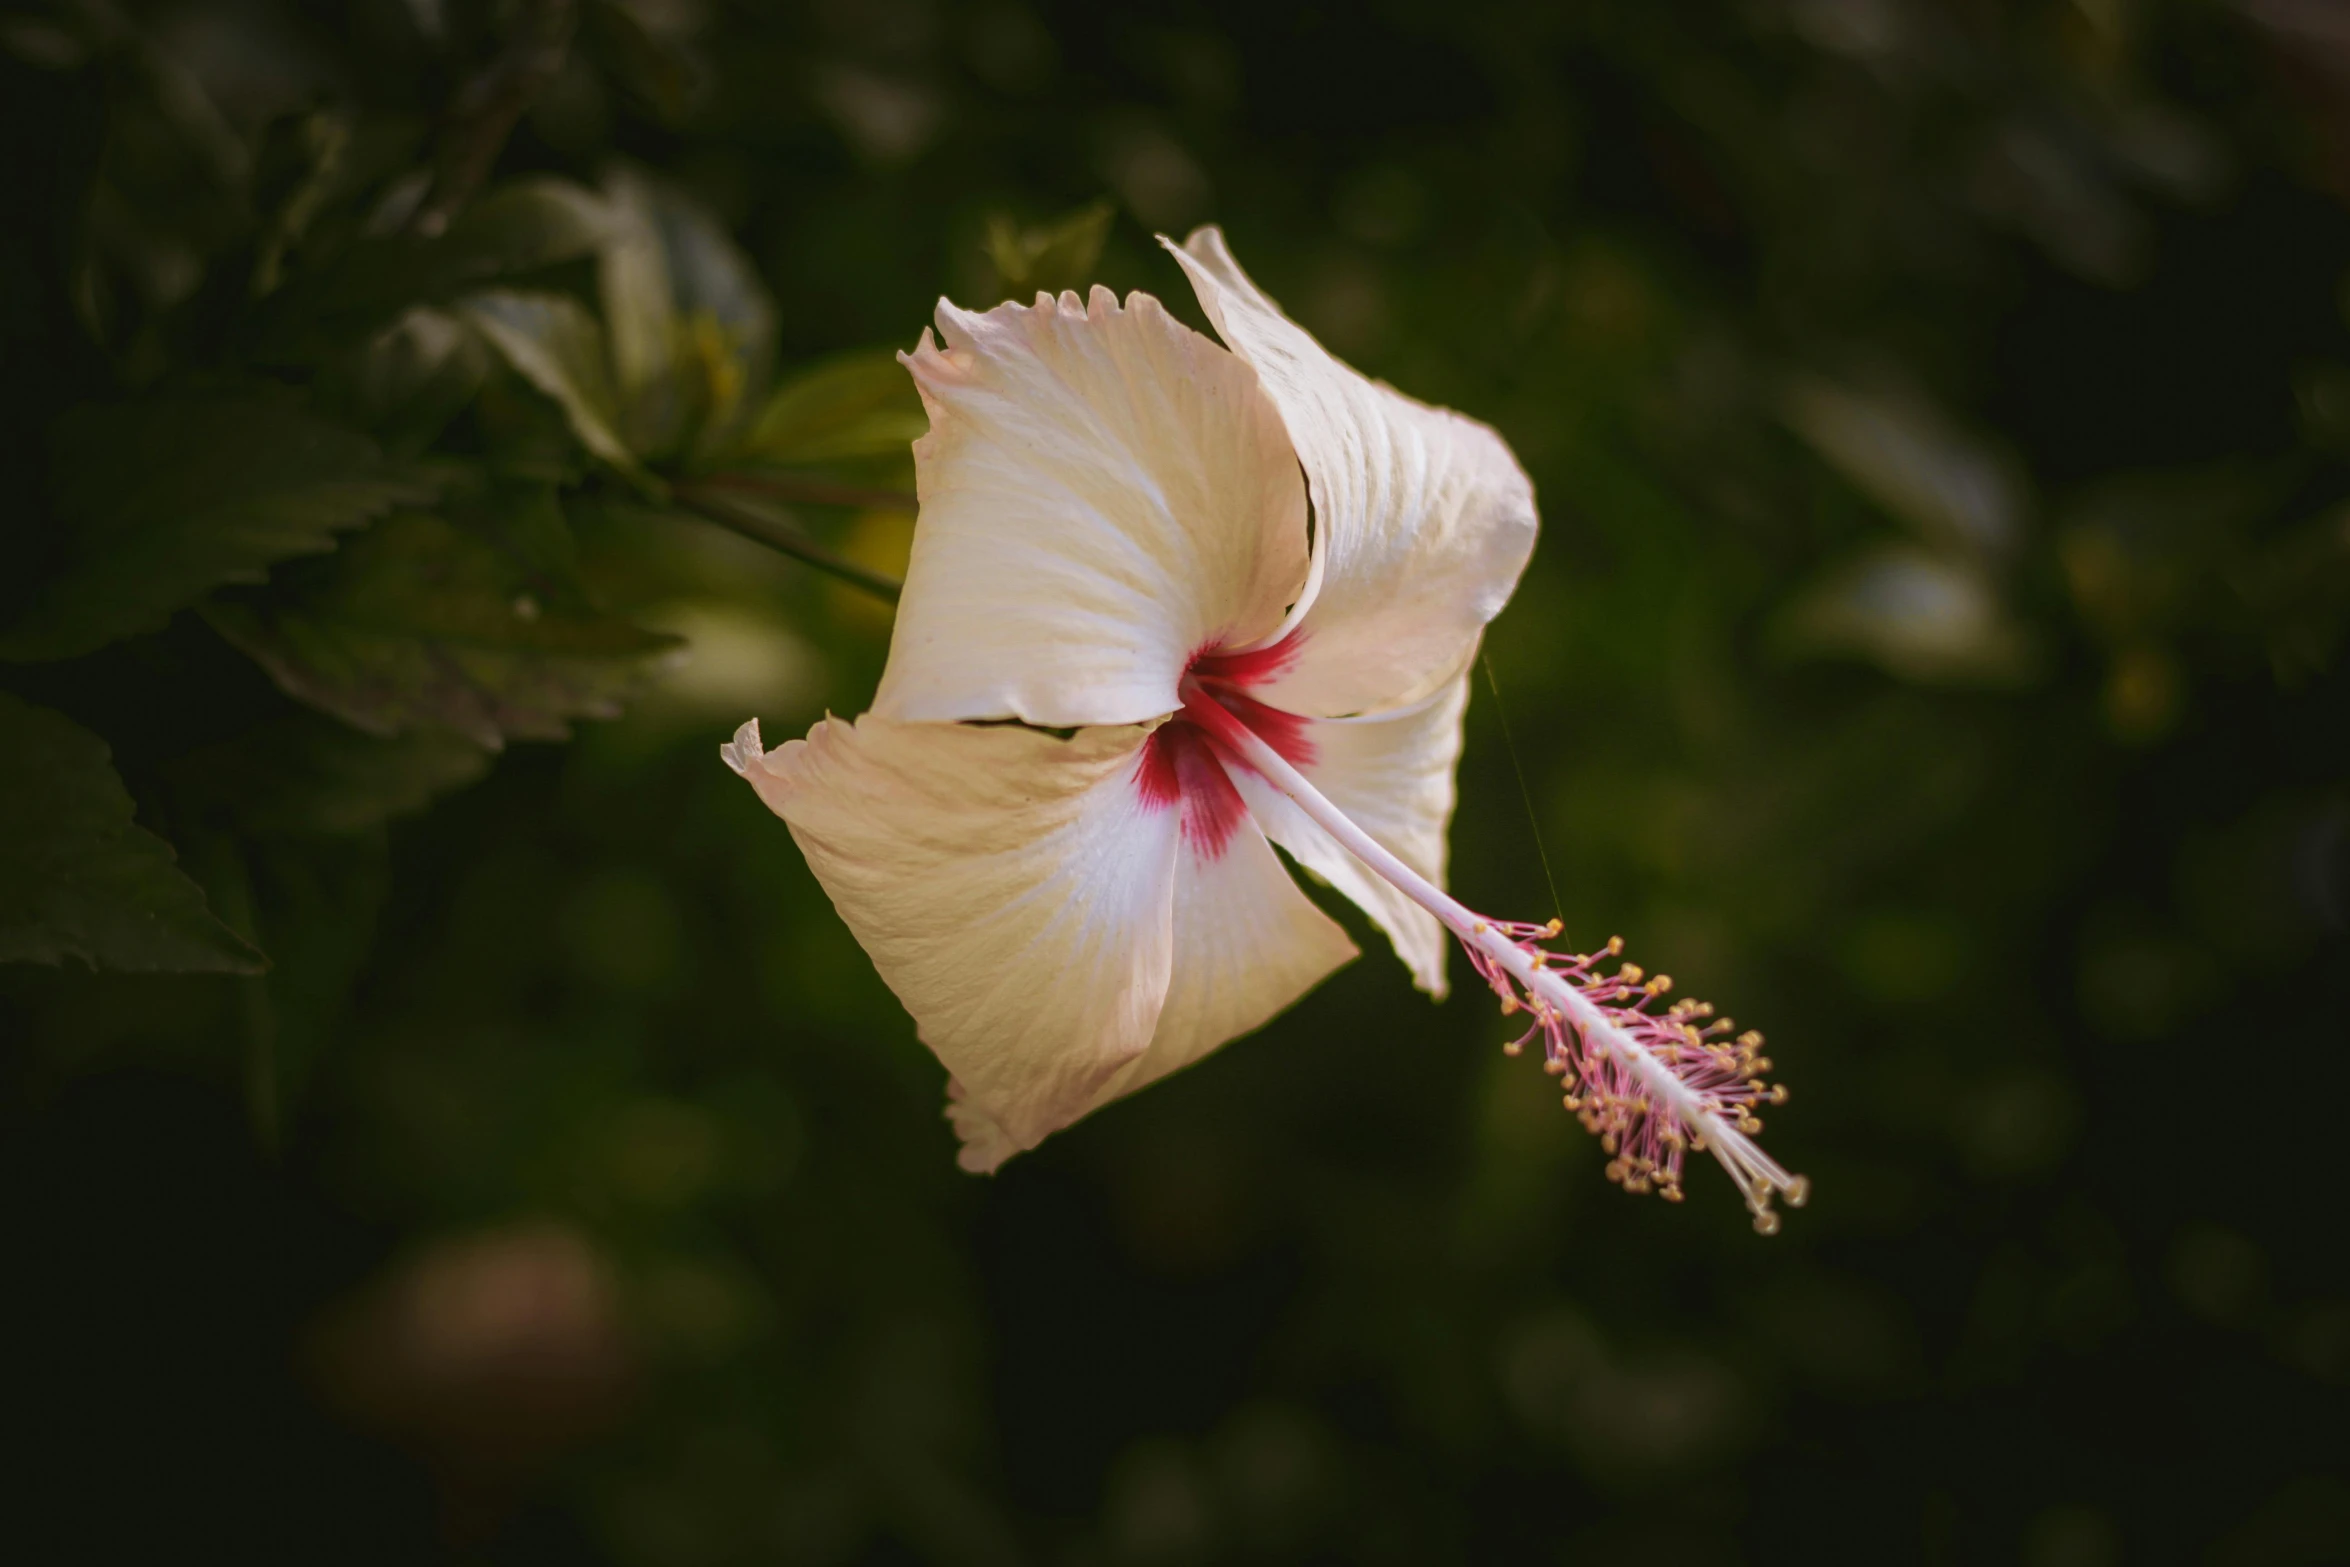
765, 527
486, 109
810, 492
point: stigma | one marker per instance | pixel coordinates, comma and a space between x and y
1654, 1081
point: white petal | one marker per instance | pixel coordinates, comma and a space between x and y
742, 753
1011, 888
1248, 943
1392, 774
985, 1145
1103, 491
1423, 520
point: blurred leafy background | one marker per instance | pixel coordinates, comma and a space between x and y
443, 1119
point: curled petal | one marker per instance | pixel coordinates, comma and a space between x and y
1422, 518
1104, 491
1011, 888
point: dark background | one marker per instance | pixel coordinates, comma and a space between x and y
1941, 418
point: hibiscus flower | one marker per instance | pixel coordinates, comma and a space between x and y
1129, 661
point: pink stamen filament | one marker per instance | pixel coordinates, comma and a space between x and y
1652, 1085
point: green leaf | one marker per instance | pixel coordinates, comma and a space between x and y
640, 313
713, 282
413, 378
419, 623
295, 173
1922, 617
519, 227
163, 500
693, 330
308, 775
1928, 472
1051, 257
860, 406
80, 879
313, 903
525, 435
552, 342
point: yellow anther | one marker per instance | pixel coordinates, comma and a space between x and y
1766, 1223
1615, 944
1778, 1093
1513, 1047
1509, 1004
1799, 1191
1554, 927
1631, 973
1659, 985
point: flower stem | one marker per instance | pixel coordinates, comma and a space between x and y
1759, 1176
808, 491
763, 526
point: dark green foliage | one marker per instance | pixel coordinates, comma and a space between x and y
555, 344
331, 334
1051, 258
423, 623
853, 409
312, 777
78, 878
409, 382
157, 502
526, 227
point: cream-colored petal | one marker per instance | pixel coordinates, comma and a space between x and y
985, 1145
1012, 888
1248, 943
1423, 519
1392, 774
1104, 491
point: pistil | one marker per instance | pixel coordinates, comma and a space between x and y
1654, 1085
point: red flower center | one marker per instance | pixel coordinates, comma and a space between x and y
1182, 767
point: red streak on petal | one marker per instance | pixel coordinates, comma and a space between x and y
1286, 733
1179, 768
1252, 668
1157, 781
